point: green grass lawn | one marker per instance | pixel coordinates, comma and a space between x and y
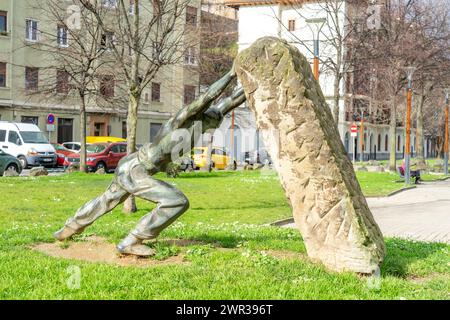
232, 258
381, 184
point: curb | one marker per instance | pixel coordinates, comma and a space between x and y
400, 190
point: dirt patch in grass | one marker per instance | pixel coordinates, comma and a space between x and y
284, 254
97, 249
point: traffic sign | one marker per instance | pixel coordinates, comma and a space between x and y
51, 119
354, 130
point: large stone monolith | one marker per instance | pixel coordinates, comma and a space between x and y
299, 131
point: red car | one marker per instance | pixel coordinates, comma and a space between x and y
100, 155
61, 153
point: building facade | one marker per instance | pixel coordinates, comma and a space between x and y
22, 67
289, 20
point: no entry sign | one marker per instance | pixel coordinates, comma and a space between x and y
51, 119
354, 130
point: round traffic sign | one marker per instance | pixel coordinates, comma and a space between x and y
50, 119
354, 128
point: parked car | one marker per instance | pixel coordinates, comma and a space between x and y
27, 143
61, 153
72, 146
100, 155
219, 157
9, 163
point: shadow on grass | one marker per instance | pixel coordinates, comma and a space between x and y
402, 253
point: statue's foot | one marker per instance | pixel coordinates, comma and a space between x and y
66, 233
134, 246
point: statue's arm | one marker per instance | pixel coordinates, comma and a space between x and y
204, 101
235, 100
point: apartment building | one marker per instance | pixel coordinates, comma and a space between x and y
289, 20
23, 26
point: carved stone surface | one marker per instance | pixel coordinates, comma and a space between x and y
298, 128
38, 171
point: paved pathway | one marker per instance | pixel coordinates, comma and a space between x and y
422, 213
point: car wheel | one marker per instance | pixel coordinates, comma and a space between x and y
101, 165
234, 165
12, 168
23, 162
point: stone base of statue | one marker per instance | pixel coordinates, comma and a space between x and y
302, 139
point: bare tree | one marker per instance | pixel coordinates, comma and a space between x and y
142, 36
73, 61
340, 38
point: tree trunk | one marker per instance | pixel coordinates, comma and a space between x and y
336, 89
83, 167
129, 205
419, 131
392, 137
336, 103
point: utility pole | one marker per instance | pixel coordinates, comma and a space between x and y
361, 137
410, 72
446, 133
316, 25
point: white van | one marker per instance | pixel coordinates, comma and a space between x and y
26, 142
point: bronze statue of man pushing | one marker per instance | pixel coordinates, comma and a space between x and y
134, 173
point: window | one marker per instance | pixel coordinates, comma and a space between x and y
154, 130
291, 25
31, 78
379, 142
122, 148
28, 119
99, 128
190, 56
191, 16
62, 82
386, 141
156, 91
131, 7
124, 129
62, 36
189, 94
31, 32
2, 74
13, 137
2, 135
3, 22
115, 148
109, 3
107, 40
107, 86
398, 143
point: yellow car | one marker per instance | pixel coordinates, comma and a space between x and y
219, 158
100, 139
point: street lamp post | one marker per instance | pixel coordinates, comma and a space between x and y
316, 25
409, 73
361, 137
446, 132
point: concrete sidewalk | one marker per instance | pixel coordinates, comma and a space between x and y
421, 214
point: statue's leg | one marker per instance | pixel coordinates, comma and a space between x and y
171, 203
93, 210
